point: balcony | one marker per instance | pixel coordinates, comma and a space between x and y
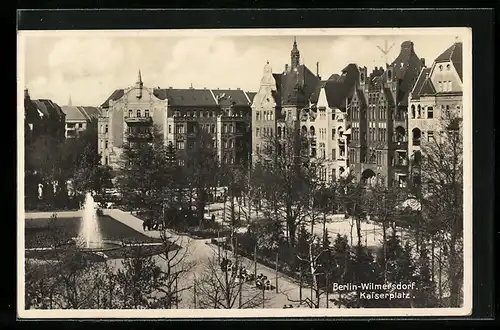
139, 136
400, 162
138, 120
416, 142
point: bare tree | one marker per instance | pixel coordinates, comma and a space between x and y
442, 200
175, 266
285, 174
383, 204
138, 280
223, 284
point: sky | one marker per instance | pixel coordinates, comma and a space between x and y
90, 66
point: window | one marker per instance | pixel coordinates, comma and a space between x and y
257, 115
448, 67
106, 144
231, 144
334, 154
440, 86
225, 128
106, 160
333, 133
430, 112
180, 145
169, 128
146, 113
334, 174
130, 113
138, 113
440, 68
213, 128
257, 132
430, 136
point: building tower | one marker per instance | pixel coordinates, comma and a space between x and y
295, 55
138, 85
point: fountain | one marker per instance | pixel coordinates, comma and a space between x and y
90, 234
89, 237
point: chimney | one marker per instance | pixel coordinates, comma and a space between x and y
317, 69
423, 61
26, 93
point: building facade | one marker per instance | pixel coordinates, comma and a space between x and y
378, 119
221, 116
180, 116
42, 117
129, 116
298, 102
436, 97
78, 118
282, 104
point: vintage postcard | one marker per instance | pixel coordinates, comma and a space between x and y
245, 173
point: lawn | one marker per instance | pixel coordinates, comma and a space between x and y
46, 232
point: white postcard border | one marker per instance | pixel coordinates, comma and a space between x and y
466, 37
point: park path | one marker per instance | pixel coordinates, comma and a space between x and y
200, 250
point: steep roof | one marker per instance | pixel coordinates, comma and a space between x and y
424, 85
189, 97
41, 107
92, 112
278, 92
297, 86
339, 88
251, 95
453, 54
48, 108
361, 96
420, 82
80, 113
117, 94
406, 69
73, 113
427, 88
228, 97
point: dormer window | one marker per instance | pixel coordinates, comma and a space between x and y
448, 67
440, 68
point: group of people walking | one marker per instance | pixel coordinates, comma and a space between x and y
261, 281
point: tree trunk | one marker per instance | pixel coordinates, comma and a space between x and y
384, 237
453, 275
358, 229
